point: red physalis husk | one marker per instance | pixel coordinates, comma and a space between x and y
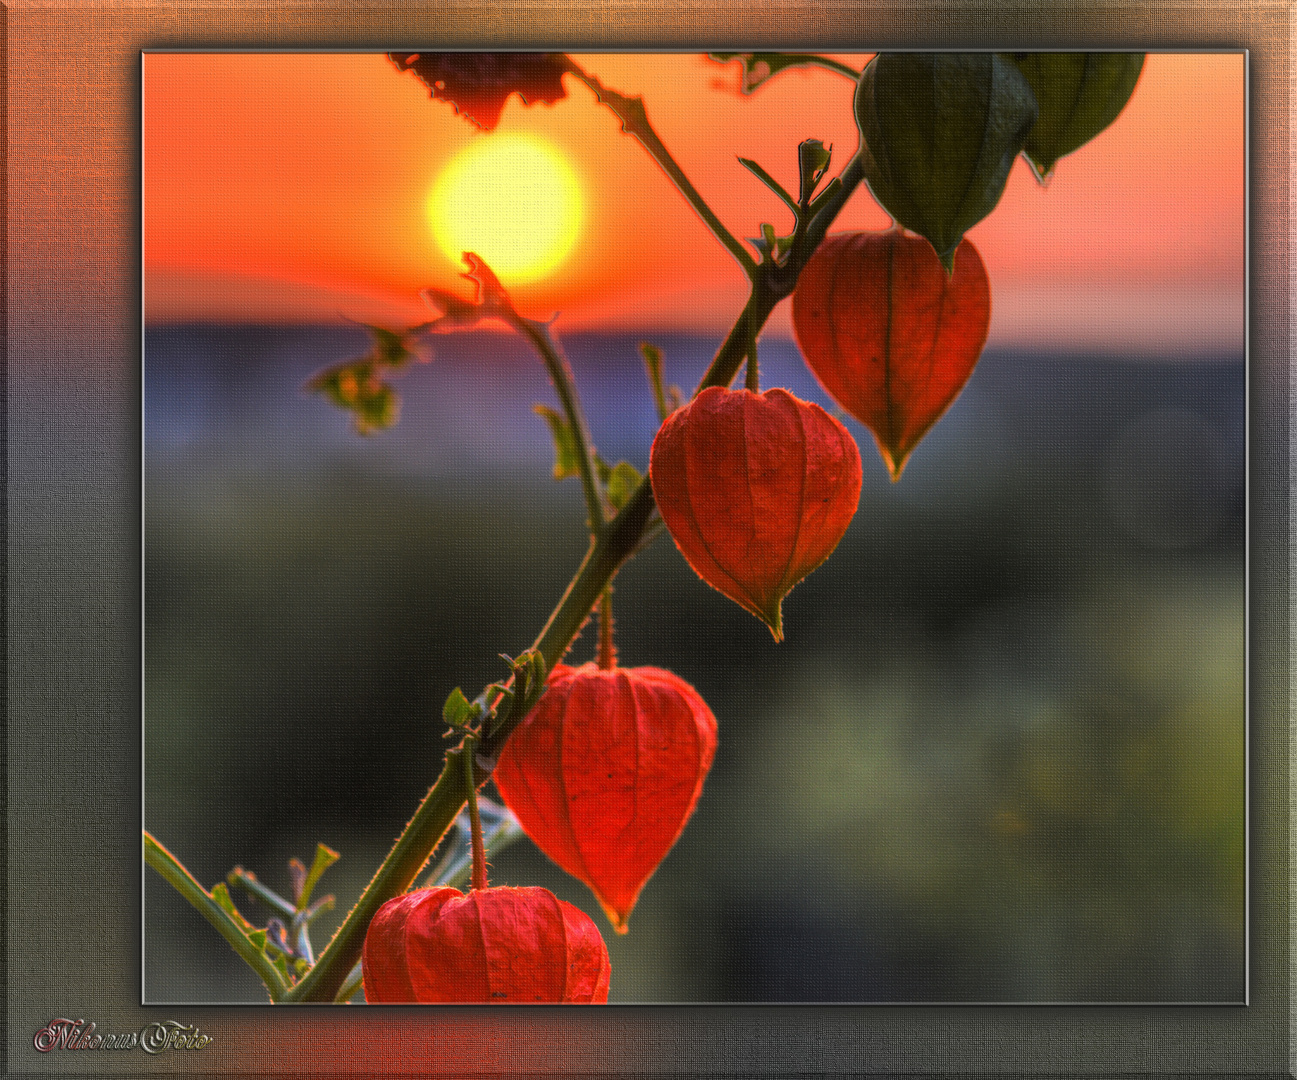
756, 489
889, 334
605, 771
497, 945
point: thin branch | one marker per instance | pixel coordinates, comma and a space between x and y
635, 122
770, 182
619, 538
187, 885
560, 372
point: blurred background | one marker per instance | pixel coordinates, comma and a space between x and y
1000, 756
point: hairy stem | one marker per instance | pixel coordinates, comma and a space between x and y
607, 649
417, 842
611, 546
618, 540
474, 819
187, 885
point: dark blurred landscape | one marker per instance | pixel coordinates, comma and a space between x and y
1000, 756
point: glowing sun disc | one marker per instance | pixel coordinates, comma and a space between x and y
511, 198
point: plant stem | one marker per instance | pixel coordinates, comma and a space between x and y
447, 797
474, 818
601, 562
620, 537
635, 122
829, 64
743, 335
607, 650
187, 885
610, 547
417, 842
325, 857
351, 984
653, 367
560, 372
244, 879
457, 868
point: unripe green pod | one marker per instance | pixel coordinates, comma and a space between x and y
939, 133
1079, 95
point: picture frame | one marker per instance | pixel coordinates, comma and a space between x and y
72, 914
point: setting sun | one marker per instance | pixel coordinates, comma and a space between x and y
511, 198
261, 199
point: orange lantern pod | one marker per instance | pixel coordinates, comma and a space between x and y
491, 946
889, 335
756, 489
604, 772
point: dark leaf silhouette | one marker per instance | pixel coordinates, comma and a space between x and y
478, 84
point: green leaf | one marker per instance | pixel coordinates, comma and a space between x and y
814, 156
378, 410
622, 482
221, 894
258, 939
526, 684
566, 461
769, 181
504, 698
528, 676
360, 385
392, 347
939, 133
458, 711
325, 857
812, 159
653, 365
771, 246
1079, 95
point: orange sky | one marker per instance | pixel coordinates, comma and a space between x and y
290, 187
